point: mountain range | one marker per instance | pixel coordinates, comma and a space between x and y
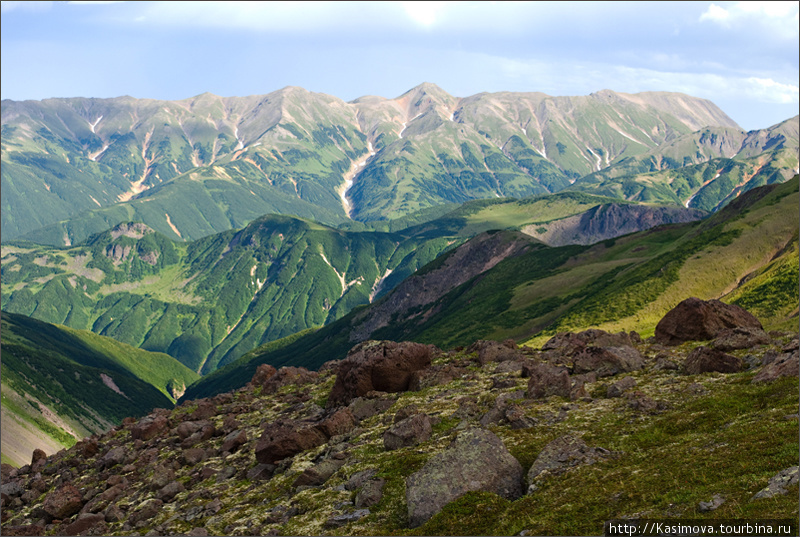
77, 167
146, 243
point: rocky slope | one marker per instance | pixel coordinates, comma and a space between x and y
606, 222
401, 438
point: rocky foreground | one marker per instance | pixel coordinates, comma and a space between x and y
402, 438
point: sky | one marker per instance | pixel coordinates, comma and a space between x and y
743, 56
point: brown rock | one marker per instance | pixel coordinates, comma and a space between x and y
24, 529
38, 455
704, 359
234, 441
63, 502
194, 456
149, 427
408, 432
340, 422
370, 494
494, 351
145, 511
606, 361
785, 365
700, 320
363, 408
288, 375
743, 337
169, 491
84, 523
621, 386
263, 373
285, 439
318, 474
377, 365
161, 477
546, 380
205, 410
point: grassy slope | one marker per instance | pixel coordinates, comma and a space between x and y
626, 283
209, 301
53, 392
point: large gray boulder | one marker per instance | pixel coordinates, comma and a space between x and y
476, 460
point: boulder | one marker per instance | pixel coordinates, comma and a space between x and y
408, 432
263, 373
149, 427
340, 422
620, 387
319, 473
113, 457
205, 410
346, 518
233, 441
494, 351
63, 502
363, 408
705, 359
377, 365
288, 375
161, 477
607, 361
84, 523
145, 511
434, 376
743, 337
559, 456
785, 365
475, 460
168, 492
778, 483
701, 320
193, 456
370, 494
546, 380
286, 439
358, 479
38, 456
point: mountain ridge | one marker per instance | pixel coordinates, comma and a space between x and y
290, 151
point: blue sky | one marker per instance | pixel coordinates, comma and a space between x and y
743, 56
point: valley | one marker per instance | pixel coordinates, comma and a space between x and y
184, 283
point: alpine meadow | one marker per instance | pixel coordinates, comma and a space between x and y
509, 313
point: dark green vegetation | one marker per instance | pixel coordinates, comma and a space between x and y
209, 301
625, 283
66, 384
76, 167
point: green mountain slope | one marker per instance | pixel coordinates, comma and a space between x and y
209, 301
625, 283
61, 384
213, 299
75, 167
705, 169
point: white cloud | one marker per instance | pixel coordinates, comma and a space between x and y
425, 13
776, 16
